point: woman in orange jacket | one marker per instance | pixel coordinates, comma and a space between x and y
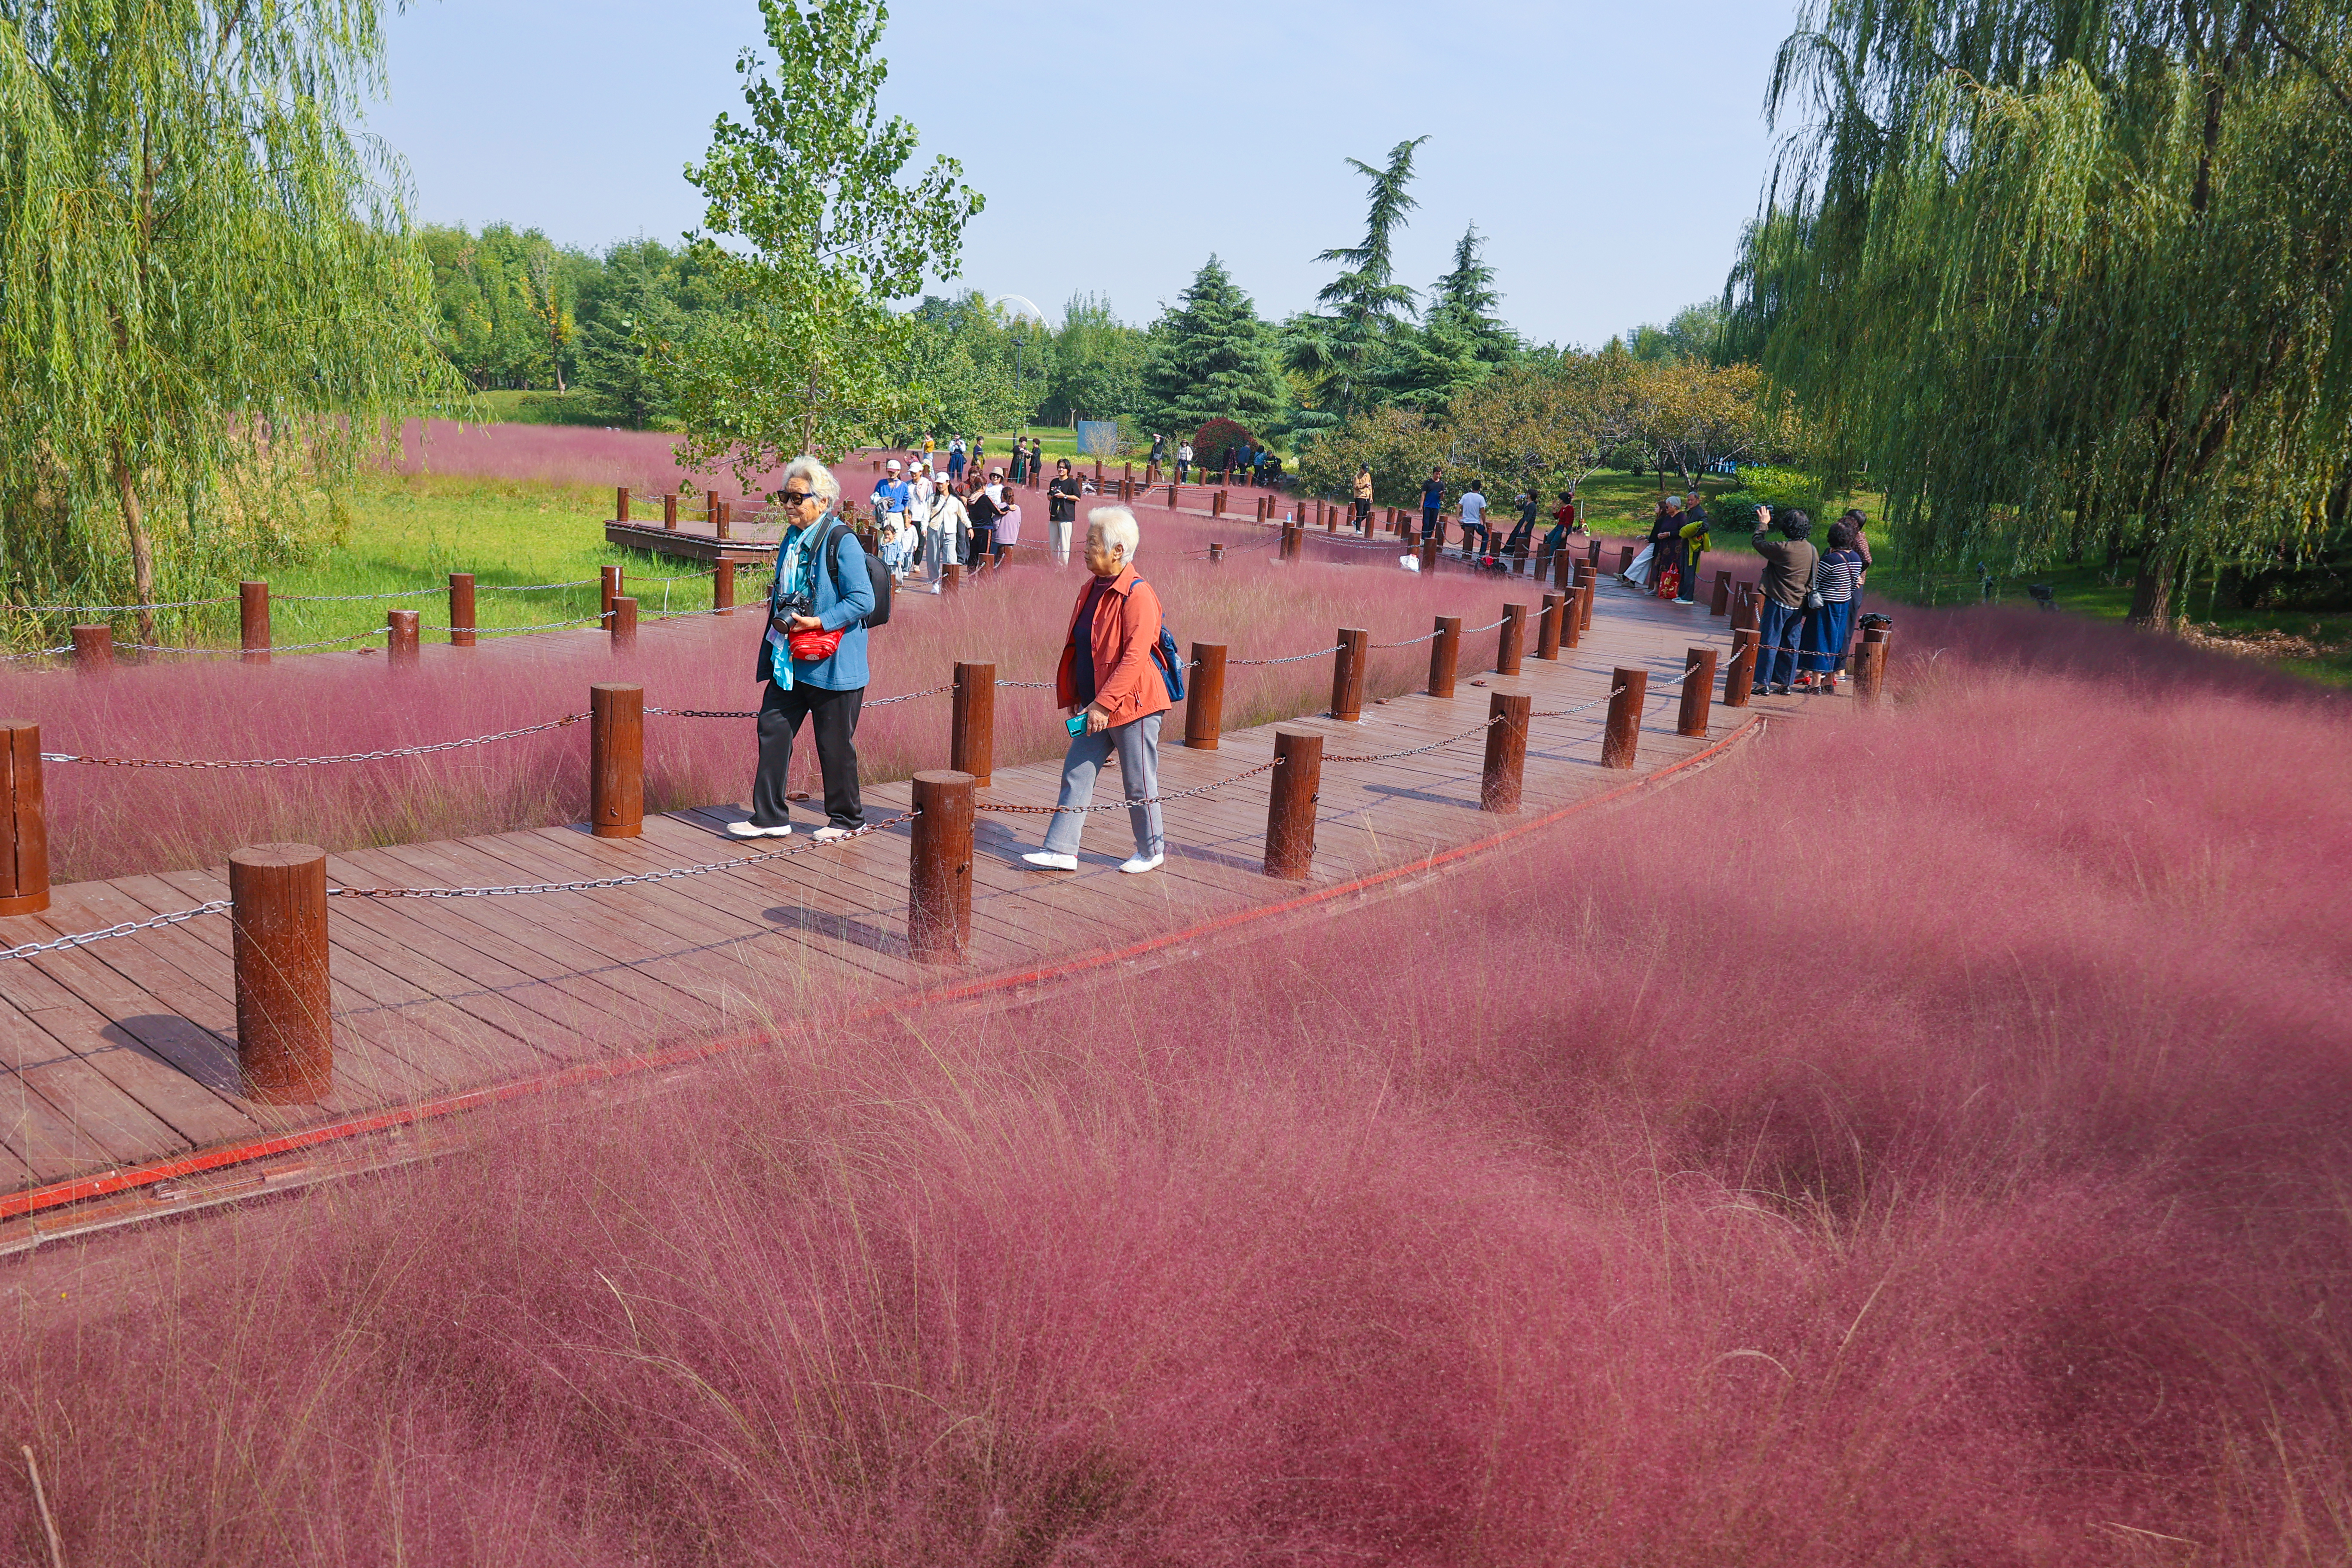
1113, 687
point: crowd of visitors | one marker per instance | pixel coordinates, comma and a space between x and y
926, 521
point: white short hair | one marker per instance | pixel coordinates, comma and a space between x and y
821, 482
1117, 525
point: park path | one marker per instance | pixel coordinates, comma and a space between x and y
118, 1061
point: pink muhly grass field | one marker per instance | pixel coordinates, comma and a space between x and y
1920, 1139
107, 821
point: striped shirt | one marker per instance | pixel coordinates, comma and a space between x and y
1839, 577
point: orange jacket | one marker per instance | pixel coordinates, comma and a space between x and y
1127, 685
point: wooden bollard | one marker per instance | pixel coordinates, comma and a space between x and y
972, 727
1507, 751
400, 638
722, 587
1747, 607
1593, 553
461, 609
620, 503
1739, 674
1348, 675
625, 624
1217, 504
1429, 554
1624, 732
723, 524
1171, 498
1698, 691
1585, 598
253, 622
285, 1022
711, 507
1331, 518
1555, 608
93, 649
612, 590
1205, 697
616, 760
1445, 654
1294, 542
938, 883
1290, 805
1563, 569
1870, 664
1625, 553
669, 509
1217, 551
1719, 602
23, 821
1513, 641
951, 578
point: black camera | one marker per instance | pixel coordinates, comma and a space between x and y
792, 601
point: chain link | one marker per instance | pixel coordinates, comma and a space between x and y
83, 939
595, 883
36, 653
315, 762
1293, 658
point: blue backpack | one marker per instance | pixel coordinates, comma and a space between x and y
1169, 661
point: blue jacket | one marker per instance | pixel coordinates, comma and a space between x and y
845, 671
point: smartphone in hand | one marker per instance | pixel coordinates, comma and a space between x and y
1076, 724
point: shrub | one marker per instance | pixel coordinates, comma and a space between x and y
1211, 441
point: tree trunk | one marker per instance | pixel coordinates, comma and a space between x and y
143, 552
2152, 588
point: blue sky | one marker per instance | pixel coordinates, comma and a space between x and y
1612, 151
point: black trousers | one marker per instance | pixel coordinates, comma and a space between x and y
835, 722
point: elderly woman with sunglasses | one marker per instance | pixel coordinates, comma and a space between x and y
813, 656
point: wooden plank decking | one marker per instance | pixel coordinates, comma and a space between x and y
123, 1052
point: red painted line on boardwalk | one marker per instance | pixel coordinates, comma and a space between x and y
35, 1200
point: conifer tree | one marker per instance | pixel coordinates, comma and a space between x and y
1211, 358
1338, 352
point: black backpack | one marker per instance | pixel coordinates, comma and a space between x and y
875, 574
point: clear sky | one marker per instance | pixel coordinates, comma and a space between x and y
1612, 151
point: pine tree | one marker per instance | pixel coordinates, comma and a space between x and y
1211, 358
1465, 301
1339, 352
1461, 342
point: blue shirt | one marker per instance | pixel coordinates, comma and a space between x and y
1432, 496
846, 611
892, 495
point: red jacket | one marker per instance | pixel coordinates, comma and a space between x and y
1128, 684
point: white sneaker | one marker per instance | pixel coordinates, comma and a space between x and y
1142, 863
747, 829
832, 835
1046, 860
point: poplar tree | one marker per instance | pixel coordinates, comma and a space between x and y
2068, 272
208, 293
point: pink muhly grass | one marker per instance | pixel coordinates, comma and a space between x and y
1920, 1139
108, 821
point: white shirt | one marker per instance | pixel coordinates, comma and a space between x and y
1474, 507
1184, 453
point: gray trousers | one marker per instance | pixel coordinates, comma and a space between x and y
1136, 745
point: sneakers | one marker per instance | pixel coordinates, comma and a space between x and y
1686, 601
1142, 863
1046, 860
832, 835
747, 829
1782, 690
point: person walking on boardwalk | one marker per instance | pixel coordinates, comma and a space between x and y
1184, 463
947, 531
812, 658
1473, 503
1433, 508
955, 459
1061, 510
1788, 581
1111, 678
1362, 497
893, 496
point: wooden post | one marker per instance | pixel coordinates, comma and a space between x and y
1217, 504
1429, 554
93, 649
722, 587
711, 507
1331, 518
723, 525
616, 760
1445, 654
611, 591
1584, 600
23, 821
1739, 674
1555, 607
1513, 641
669, 509
1348, 675
1698, 689
1217, 551
951, 578
1625, 553
400, 638
1098, 476
461, 609
972, 729
1507, 751
253, 622
1205, 697
1624, 732
1290, 805
1747, 612
625, 624
1870, 664
1563, 569
285, 1025
620, 503
1294, 542
938, 882
1171, 498
1719, 602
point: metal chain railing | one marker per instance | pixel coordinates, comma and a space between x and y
593, 884
315, 762
1293, 658
82, 939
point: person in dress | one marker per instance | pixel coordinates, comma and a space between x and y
1838, 580
1110, 677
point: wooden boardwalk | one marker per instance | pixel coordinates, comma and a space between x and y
122, 1054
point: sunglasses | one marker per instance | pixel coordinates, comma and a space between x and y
794, 497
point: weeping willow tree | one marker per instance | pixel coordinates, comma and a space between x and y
2069, 274
209, 299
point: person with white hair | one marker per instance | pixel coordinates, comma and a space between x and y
1117, 682
812, 658
893, 496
